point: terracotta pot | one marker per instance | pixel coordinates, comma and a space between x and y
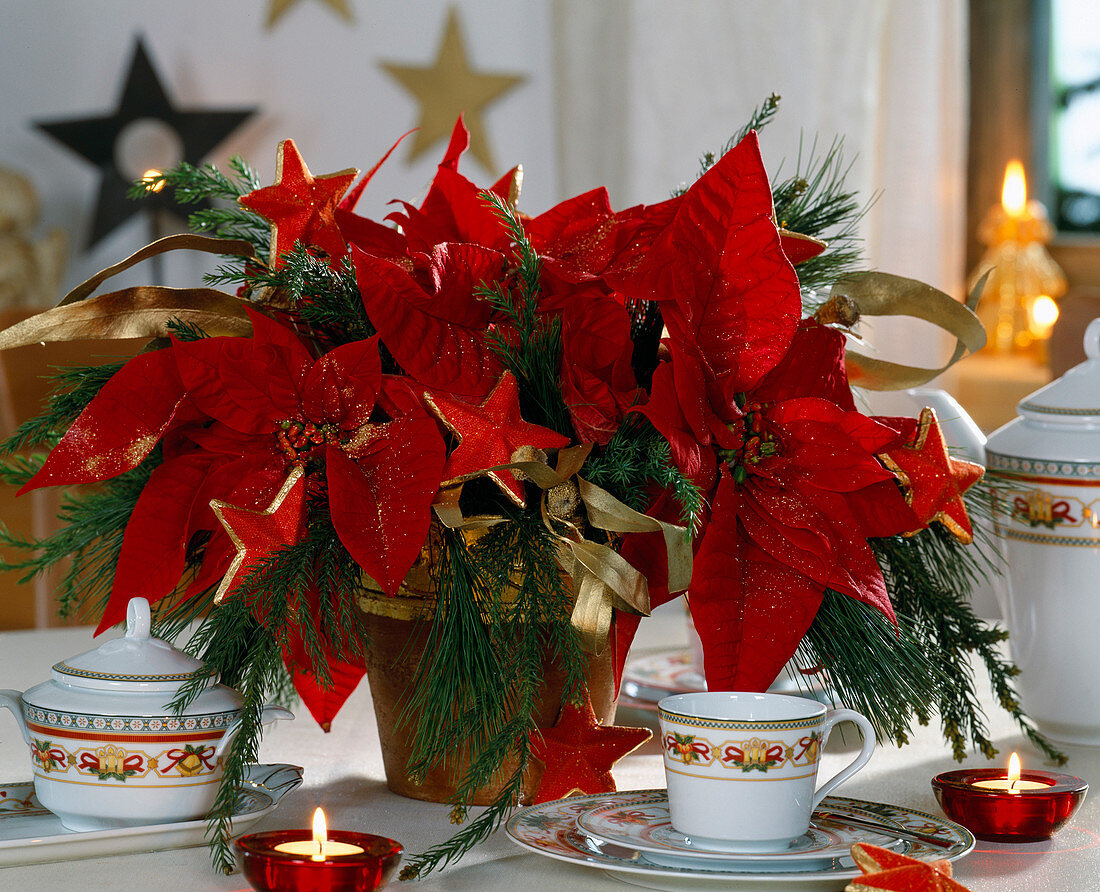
398, 628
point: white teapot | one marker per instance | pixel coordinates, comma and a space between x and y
1045, 469
106, 749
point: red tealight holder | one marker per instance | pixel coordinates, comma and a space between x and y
269, 870
1027, 815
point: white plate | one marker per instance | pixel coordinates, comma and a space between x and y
29, 834
550, 829
644, 824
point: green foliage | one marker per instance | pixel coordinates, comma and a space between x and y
874, 668
636, 459
503, 610
815, 201
325, 299
534, 356
193, 184
929, 577
74, 388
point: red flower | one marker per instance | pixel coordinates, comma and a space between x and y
235, 415
756, 408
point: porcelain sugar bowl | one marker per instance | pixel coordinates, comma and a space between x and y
108, 750
1044, 467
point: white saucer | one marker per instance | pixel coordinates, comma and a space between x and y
29, 834
644, 824
550, 829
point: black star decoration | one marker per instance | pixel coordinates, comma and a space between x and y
143, 97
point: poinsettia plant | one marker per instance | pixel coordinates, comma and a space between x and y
606, 391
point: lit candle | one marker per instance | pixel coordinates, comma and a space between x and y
1018, 305
336, 861
1012, 783
1024, 806
320, 847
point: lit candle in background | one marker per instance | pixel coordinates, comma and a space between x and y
1018, 305
320, 847
1012, 782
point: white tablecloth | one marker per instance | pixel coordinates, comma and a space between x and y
343, 773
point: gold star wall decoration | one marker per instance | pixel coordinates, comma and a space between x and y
279, 8
448, 87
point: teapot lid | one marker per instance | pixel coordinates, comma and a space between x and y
136, 662
1075, 397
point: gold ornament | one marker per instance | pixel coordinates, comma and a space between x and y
450, 87
30, 268
280, 7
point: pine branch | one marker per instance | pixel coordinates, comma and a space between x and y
503, 610
326, 300
877, 670
814, 201
533, 355
761, 116
92, 524
74, 388
930, 576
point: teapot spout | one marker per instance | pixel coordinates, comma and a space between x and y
13, 700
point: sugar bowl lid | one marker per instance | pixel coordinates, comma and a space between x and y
1075, 397
136, 662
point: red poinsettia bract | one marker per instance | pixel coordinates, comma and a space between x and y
235, 414
757, 410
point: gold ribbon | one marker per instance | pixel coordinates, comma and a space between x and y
143, 311
603, 580
881, 294
185, 241
140, 312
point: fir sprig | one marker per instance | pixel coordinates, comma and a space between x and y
533, 353
192, 184
325, 298
307, 594
636, 459
761, 116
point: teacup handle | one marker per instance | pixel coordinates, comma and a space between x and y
832, 717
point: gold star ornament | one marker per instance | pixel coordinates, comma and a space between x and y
933, 481
256, 535
279, 8
448, 87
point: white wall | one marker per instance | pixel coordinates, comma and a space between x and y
626, 93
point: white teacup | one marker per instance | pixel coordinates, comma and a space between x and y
742, 767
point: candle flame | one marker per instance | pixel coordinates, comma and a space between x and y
1013, 773
1014, 190
320, 833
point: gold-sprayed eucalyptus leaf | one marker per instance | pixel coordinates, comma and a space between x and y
882, 294
140, 312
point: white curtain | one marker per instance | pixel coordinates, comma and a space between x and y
645, 86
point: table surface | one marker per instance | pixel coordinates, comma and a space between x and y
343, 773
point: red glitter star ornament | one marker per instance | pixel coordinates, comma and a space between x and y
886, 870
490, 434
578, 752
300, 206
933, 481
256, 534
